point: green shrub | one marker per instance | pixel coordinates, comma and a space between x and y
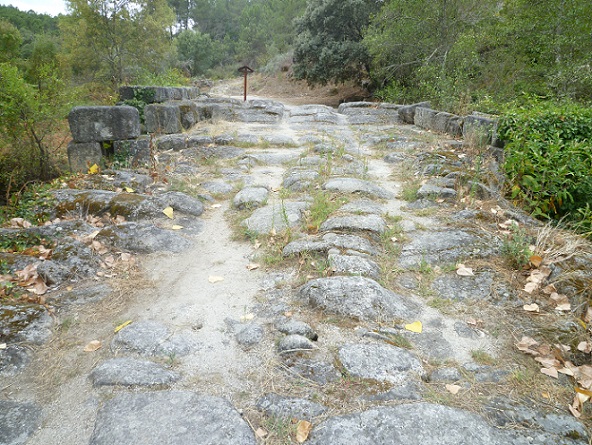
549, 158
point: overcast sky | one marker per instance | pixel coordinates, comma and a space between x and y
51, 7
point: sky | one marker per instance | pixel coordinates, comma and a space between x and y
51, 7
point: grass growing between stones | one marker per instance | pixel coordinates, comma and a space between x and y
323, 205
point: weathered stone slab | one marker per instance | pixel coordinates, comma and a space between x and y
446, 247
298, 180
407, 113
289, 326
424, 117
136, 150
13, 359
289, 407
295, 343
365, 223
356, 297
250, 335
162, 119
181, 202
454, 287
319, 372
151, 338
82, 155
170, 418
143, 238
18, 421
96, 124
362, 206
276, 217
409, 424
350, 242
354, 185
175, 142
432, 190
381, 362
24, 322
354, 265
250, 197
480, 128
154, 94
131, 372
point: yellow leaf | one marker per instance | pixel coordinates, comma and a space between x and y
93, 346
121, 326
129, 190
586, 392
169, 212
453, 389
93, 169
416, 326
214, 279
176, 227
303, 430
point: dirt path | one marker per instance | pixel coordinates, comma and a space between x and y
333, 297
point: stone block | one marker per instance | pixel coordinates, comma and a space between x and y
96, 124
82, 155
407, 113
163, 119
137, 151
150, 94
480, 128
424, 117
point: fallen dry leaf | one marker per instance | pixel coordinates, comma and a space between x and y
261, 433
169, 212
464, 271
247, 317
585, 347
20, 222
94, 169
530, 287
3, 346
536, 260
526, 344
253, 266
588, 315
99, 247
416, 327
122, 325
548, 362
531, 307
93, 346
453, 389
561, 302
177, 227
126, 257
215, 279
303, 429
551, 372
549, 289
39, 287
216, 206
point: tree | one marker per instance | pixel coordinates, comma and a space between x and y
10, 41
115, 40
197, 51
29, 118
329, 45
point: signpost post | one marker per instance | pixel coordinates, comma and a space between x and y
246, 71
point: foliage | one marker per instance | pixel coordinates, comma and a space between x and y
516, 247
549, 158
329, 44
30, 118
116, 41
197, 51
10, 41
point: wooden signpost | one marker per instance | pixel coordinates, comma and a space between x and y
246, 71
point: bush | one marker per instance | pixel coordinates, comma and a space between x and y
549, 158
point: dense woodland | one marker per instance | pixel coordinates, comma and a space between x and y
498, 56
